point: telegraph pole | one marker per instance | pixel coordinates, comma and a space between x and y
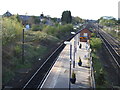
23, 47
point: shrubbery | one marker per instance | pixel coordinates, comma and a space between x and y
39, 42
11, 30
96, 44
59, 31
36, 27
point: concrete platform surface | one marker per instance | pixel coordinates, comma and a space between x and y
59, 74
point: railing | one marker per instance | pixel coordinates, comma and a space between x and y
92, 74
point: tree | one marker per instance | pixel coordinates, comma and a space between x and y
66, 17
36, 19
18, 18
118, 21
76, 20
107, 21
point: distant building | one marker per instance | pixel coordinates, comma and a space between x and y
7, 14
49, 22
85, 34
108, 17
24, 19
27, 27
41, 18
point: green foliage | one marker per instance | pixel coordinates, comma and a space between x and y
118, 21
112, 31
59, 31
54, 19
33, 53
107, 22
17, 50
18, 18
80, 60
7, 75
64, 31
36, 27
12, 30
77, 20
99, 72
98, 68
93, 34
73, 75
33, 36
66, 17
36, 19
95, 43
101, 77
38, 43
50, 30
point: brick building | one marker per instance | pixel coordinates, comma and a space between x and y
85, 34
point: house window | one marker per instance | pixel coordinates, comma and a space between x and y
86, 34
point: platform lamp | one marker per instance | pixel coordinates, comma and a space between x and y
74, 49
26, 27
69, 43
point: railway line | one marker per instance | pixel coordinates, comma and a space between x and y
113, 48
36, 80
112, 45
112, 41
39, 76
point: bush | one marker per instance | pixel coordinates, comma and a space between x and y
93, 34
98, 68
7, 75
50, 30
64, 31
95, 43
12, 30
100, 79
17, 50
59, 31
36, 27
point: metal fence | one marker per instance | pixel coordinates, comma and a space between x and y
92, 74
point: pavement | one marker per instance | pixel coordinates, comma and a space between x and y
58, 77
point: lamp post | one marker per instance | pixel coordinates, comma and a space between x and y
68, 43
74, 50
23, 31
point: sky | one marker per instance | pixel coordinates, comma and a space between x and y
86, 9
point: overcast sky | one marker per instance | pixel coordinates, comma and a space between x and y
86, 9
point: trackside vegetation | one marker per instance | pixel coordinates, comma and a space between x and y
40, 41
99, 71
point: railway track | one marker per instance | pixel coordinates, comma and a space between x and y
111, 46
112, 41
36, 80
39, 76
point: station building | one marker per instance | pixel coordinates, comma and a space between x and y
85, 35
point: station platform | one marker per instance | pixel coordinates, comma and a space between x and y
58, 77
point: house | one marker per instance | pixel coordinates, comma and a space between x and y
7, 14
49, 22
24, 19
85, 35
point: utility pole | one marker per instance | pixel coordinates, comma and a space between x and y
23, 47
